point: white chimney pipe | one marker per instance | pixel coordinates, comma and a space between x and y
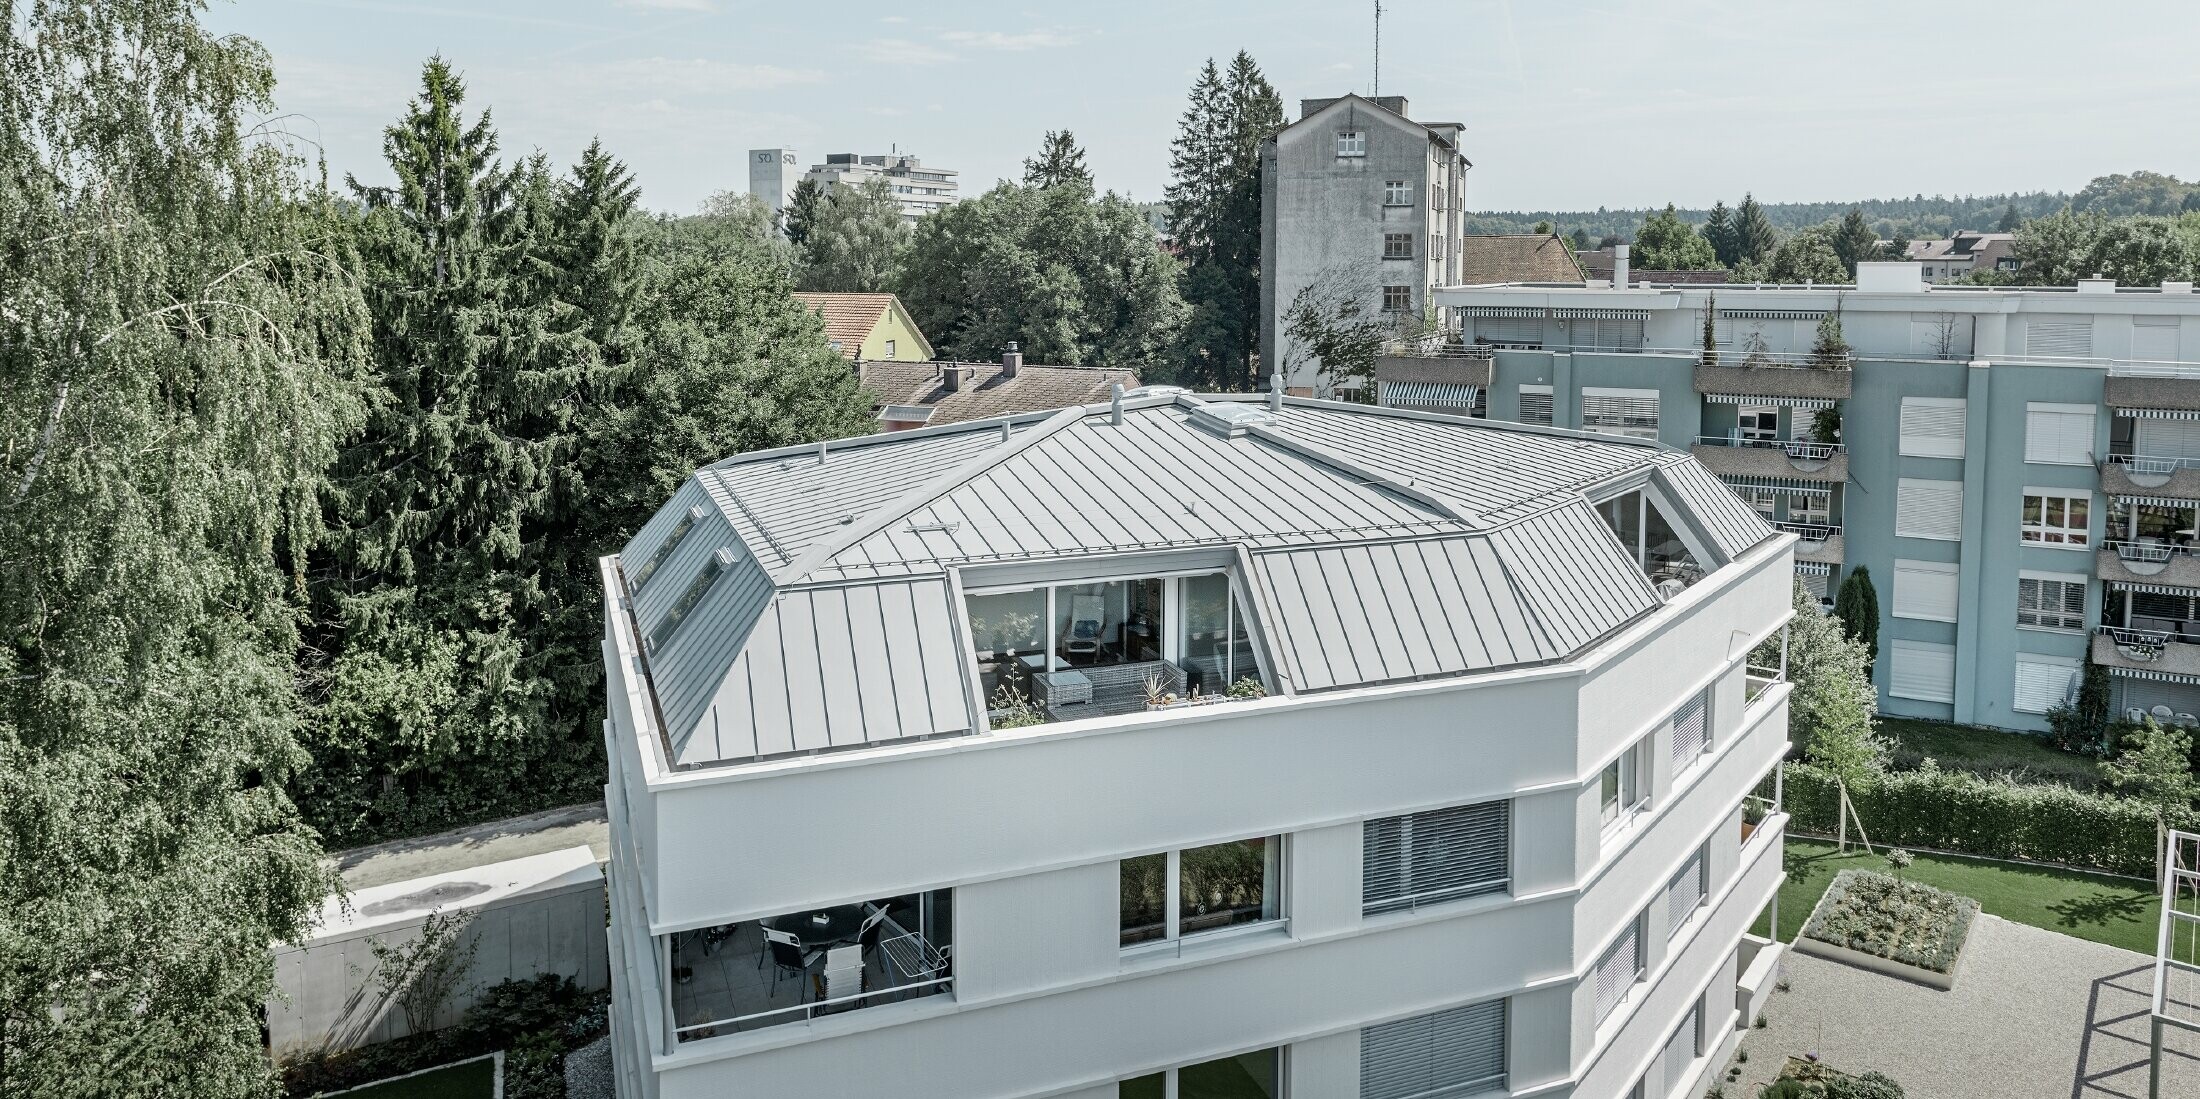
1619, 266
1275, 390
1115, 400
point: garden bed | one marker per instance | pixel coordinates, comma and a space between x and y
1902, 928
1802, 1078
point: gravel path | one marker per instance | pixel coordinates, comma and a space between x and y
588, 1071
2034, 1015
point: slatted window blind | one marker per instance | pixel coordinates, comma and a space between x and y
1926, 590
1691, 731
1922, 670
1629, 412
1535, 404
1681, 1048
1685, 893
2059, 336
2041, 683
1605, 333
1815, 582
1438, 855
2154, 339
1509, 331
1928, 509
2159, 438
1618, 969
1932, 427
2059, 434
2051, 602
1456, 1052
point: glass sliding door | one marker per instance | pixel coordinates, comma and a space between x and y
1008, 634
1215, 648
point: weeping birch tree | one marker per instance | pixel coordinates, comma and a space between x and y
181, 347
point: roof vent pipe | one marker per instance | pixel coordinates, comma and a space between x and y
951, 378
1619, 266
1012, 360
1275, 390
821, 452
1115, 402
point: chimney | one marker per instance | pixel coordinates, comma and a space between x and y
1012, 360
1619, 266
2098, 284
951, 378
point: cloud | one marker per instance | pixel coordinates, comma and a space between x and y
672, 76
893, 19
995, 40
900, 51
670, 5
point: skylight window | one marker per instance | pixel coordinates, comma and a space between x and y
665, 548
697, 588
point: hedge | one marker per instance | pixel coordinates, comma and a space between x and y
1994, 817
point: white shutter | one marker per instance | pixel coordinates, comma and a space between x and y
1617, 969
1691, 731
1922, 670
1925, 589
1684, 893
1535, 404
1629, 412
1932, 427
1928, 509
1442, 854
2042, 681
2059, 434
1459, 1051
1681, 1048
2059, 336
2154, 339
2161, 438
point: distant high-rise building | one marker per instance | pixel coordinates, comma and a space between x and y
772, 176
919, 189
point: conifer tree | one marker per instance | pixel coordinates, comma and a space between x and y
1718, 228
1754, 236
801, 211
2011, 222
1059, 161
1854, 241
1214, 205
181, 355
1856, 604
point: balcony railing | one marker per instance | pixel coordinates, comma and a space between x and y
1796, 449
2151, 465
1819, 533
1757, 681
2136, 643
1437, 347
2150, 553
2147, 368
1789, 360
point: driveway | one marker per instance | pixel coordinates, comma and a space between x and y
2034, 1015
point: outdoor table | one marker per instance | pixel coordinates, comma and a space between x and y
841, 924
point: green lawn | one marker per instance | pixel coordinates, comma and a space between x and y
467, 1080
1988, 751
2118, 911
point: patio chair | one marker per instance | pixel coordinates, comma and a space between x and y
785, 951
1088, 616
872, 925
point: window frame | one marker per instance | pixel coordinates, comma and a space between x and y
2074, 621
1352, 143
1397, 192
2058, 535
1636, 931
1628, 777
1397, 246
1402, 292
1173, 936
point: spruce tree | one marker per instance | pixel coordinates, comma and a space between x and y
1214, 209
182, 354
1754, 236
1854, 241
1059, 161
1719, 230
1856, 604
801, 211
2011, 222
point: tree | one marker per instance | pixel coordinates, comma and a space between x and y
856, 241
2051, 250
1059, 161
1542, 228
1830, 706
2010, 220
801, 211
1856, 605
2122, 195
1754, 236
1666, 243
2083, 725
182, 354
2156, 768
1718, 230
1336, 321
1854, 242
1214, 214
1710, 355
2141, 252
1807, 256
432, 603
1071, 278
1830, 348
1580, 238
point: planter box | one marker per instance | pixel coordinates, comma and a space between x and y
1804, 944
1844, 894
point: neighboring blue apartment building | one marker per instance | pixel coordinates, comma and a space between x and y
2019, 469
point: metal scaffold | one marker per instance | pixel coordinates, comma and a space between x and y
2176, 1001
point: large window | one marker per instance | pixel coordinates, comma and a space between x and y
2050, 601
1438, 855
1088, 649
1691, 726
1933, 427
1215, 649
1397, 246
1397, 299
1928, 509
1255, 1075
1669, 558
797, 965
1455, 1052
1758, 423
2053, 518
2059, 434
1535, 404
1686, 893
1624, 786
1198, 890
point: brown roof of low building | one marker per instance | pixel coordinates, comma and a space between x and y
984, 392
849, 318
1526, 258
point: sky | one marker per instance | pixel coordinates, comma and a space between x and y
1567, 106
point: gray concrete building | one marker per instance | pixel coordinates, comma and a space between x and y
1358, 201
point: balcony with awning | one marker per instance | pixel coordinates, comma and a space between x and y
1735, 456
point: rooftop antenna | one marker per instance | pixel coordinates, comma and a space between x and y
1378, 50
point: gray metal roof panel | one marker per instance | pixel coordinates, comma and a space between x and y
1734, 525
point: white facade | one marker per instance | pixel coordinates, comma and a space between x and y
1625, 766
772, 176
918, 188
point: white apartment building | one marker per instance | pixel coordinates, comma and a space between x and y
1193, 747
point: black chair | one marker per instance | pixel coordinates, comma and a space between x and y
788, 958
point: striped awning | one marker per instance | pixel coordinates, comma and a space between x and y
1799, 404
1813, 568
1506, 311
2153, 674
2157, 501
1779, 484
1625, 314
2152, 589
1772, 314
1439, 394
2160, 413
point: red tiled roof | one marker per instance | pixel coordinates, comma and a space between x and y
849, 318
1508, 258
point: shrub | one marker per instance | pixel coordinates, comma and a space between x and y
1904, 921
534, 1021
1994, 817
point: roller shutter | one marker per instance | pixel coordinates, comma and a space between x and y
1932, 427
1439, 855
2061, 337
1925, 589
1928, 509
1456, 1052
1922, 670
